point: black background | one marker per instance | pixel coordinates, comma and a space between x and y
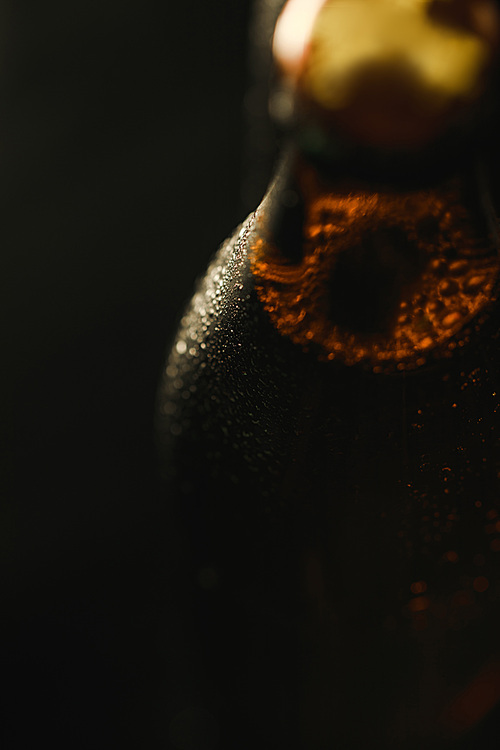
120, 171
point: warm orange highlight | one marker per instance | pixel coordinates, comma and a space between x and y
385, 278
385, 73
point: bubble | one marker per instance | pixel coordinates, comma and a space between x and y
451, 319
474, 284
181, 347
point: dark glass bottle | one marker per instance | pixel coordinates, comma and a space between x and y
328, 419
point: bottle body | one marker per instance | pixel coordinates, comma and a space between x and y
349, 519
328, 415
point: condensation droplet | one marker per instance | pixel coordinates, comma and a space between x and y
451, 319
181, 347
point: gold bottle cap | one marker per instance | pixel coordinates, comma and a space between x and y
386, 73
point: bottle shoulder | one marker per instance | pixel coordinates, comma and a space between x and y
378, 490
234, 379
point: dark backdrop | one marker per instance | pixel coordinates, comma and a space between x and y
120, 160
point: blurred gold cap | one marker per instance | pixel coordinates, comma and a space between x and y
387, 72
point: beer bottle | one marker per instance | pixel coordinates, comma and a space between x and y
328, 413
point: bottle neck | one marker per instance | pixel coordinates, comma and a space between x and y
385, 275
302, 185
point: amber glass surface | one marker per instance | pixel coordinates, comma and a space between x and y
328, 422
